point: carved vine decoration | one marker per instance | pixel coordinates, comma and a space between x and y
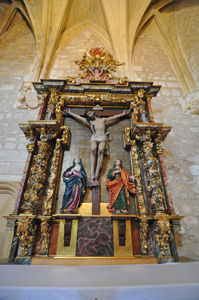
25, 233
53, 178
163, 230
137, 175
64, 141
143, 235
153, 177
58, 110
52, 102
44, 236
138, 106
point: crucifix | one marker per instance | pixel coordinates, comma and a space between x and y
98, 126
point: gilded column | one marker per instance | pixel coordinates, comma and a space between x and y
61, 143
52, 102
138, 106
36, 178
131, 144
154, 184
140, 198
58, 110
48, 204
45, 235
159, 149
162, 231
29, 134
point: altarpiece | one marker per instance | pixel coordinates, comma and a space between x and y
54, 223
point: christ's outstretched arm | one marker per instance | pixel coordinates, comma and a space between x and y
76, 117
109, 120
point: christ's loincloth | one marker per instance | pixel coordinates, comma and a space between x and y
99, 138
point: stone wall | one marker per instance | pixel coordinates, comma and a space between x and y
181, 146
187, 24
16, 55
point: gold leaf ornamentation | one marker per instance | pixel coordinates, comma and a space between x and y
36, 178
25, 233
44, 236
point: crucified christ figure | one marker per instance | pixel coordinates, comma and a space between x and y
98, 139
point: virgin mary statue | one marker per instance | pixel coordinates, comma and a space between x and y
76, 185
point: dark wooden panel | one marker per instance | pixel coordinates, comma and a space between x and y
136, 237
53, 239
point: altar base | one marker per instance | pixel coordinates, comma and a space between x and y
93, 261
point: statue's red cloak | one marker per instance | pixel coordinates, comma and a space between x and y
114, 187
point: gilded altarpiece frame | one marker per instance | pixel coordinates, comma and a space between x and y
43, 235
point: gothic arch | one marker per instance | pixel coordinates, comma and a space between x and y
75, 30
153, 20
12, 10
10, 188
8, 195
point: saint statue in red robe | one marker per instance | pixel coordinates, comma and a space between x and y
119, 184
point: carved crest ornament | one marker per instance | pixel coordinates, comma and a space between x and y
142, 232
98, 64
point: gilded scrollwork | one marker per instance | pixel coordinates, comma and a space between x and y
143, 234
45, 234
160, 137
142, 105
96, 99
141, 93
43, 133
98, 58
30, 147
127, 138
58, 110
29, 134
138, 105
128, 133
25, 233
52, 102
65, 136
162, 233
134, 106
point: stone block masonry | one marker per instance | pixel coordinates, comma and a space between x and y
17, 53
